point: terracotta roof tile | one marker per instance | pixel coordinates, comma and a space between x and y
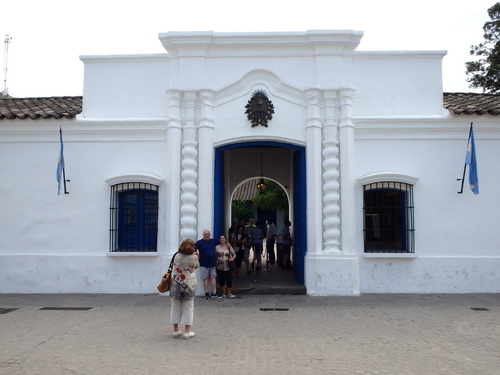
471, 103
246, 191
35, 108
58, 107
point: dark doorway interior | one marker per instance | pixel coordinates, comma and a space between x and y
299, 214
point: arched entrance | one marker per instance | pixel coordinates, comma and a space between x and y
289, 167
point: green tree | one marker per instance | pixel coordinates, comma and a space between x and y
242, 210
485, 72
274, 198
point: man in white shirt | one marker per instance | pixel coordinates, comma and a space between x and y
270, 240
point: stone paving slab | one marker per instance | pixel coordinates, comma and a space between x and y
254, 334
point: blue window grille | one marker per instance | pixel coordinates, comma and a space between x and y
388, 218
134, 217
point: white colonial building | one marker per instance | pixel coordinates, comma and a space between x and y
363, 143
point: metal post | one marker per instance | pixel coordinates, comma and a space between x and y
7, 40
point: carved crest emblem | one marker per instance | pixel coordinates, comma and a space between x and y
259, 109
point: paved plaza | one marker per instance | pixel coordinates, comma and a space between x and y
416, 334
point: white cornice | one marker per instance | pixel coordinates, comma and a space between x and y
439, 54
387, 176
424, 127
124, 58
135, 177
209, 43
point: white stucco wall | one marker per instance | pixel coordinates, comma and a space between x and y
55, 244
398, 83
125, 87
455, 245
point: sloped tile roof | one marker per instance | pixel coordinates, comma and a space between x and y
45, 108
58, 107
246, 191
471, 103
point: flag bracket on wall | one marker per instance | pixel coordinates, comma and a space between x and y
470, 160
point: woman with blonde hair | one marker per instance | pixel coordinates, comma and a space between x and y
183, 289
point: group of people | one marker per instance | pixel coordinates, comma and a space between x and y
248, 237
245, 238
221, 260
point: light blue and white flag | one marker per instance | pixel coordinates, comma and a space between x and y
60, 165
470, 160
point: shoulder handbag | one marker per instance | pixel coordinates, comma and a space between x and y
164, 284
232, 263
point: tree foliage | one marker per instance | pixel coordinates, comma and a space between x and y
242, 210
274, 198
485, 72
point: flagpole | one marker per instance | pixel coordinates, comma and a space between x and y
465, 164
61, 167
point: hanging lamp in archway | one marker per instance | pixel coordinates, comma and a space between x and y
261, 185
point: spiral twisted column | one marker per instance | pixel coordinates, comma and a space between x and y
189, 173
331, 185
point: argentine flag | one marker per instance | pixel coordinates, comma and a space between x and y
60, 164
470, 160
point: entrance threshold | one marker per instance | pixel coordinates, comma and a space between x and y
275, 280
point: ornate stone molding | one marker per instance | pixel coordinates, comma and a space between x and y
346, 104
313, 97
206, 119
174, 109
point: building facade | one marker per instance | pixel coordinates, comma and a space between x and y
361, 142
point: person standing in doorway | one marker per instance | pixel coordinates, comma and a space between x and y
270, 240
249, 233
257, 237
287, 245
206, 251
225, 255
249, 228
232, 230
239, 244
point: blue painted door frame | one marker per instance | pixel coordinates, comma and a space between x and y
299, 215
299, 224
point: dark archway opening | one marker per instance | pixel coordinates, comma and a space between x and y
297, 178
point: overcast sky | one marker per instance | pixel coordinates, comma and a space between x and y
48, 36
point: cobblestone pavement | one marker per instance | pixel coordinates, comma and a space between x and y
416, 334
